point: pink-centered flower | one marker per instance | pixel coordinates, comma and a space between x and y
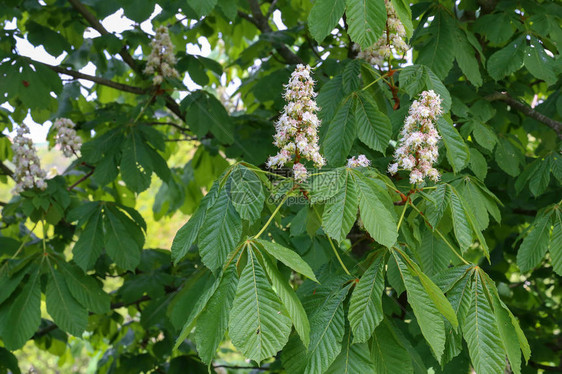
28, 172
417, 149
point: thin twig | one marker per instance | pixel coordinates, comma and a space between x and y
86, 176
527, 110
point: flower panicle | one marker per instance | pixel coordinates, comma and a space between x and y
360, 161
391, 43
66, 137
297, 128
161, 61
28, 172
417, 148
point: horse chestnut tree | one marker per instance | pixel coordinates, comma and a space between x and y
362, 186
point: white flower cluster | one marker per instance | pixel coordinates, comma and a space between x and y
417, 149
360, 162
297, 128
66, 137
161, 60
28, 172
391, 42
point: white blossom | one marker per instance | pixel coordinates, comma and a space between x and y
28, 172
161, 60
297, 128
66, 137
391, 43
417, 149
360, 161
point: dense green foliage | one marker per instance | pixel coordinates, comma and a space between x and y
352, 271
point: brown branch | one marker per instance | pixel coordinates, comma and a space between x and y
527, 110
86, 176
6, 170
124, 53
235, 367
98, 80
262, 23
96, 25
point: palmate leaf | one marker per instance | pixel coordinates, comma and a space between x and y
365, 308
508, 59
259, 326
123, 239
353, 358
378, 220
213, 321
340, 212
556, 244
388, 354
136, 165
289, 299
427, 314
534, 246
85, 289
327, 329
90, 243
341, 133
23, 312
433, 253
461, 226
288, 257
458, 153
220, 232
438, 53
67, 313
480, 331
373, 127
465, 56
246, 192
187, 234
366, 20
324, 17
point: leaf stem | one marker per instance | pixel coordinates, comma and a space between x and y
441, 235
337, 255
402, 216
272, 216
373, 82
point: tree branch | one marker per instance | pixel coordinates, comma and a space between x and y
262, 23
527, 110
6, 170
98, 80
124, 53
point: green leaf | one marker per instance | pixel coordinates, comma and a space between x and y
438, 53
540, 178
246, 192
120, 242
187, 234
404, 13
507, 157
508, 59
465, 56
478, 164
290, 301
213, 321
389, 355
461, 226
329, 98
220, 233
202, 7
534, 246
136, 167
373, 127
481, 333
85, 289
538, 62
288, 257
259, 326
340, 212
376, 217
90, 243
24, 312
327, 330
556, 244
8, 361
340, 134
9, 283
366, 20
67, 313
428, 316
365, 308
324, 17
458, 153
434, 254
507, 333
353, 358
